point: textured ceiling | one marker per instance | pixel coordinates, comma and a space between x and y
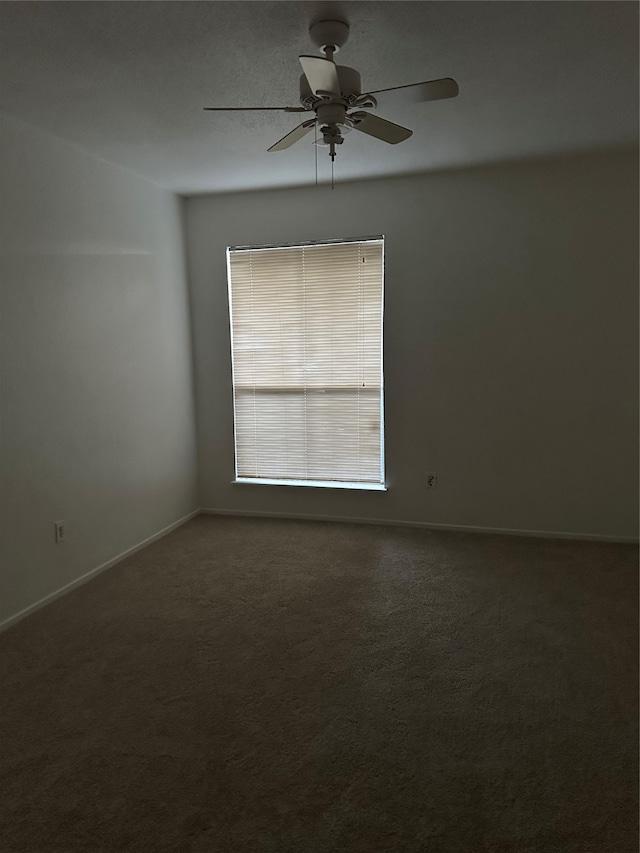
128, 80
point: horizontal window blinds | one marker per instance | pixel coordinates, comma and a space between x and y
306, 326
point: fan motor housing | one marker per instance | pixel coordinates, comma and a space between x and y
331, 113
350, 87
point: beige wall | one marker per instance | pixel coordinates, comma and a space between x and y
97, 397
510, 342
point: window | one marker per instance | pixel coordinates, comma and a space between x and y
306, 339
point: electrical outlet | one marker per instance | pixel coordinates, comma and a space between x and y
432, 480
61, 531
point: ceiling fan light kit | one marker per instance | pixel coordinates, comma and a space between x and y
334, 93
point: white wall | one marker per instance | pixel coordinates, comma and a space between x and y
97, 390
510, 342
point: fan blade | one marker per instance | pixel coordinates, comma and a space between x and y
432, 90
380, 127
321, 75
293, 135
244, 109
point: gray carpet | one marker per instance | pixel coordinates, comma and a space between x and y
298, 687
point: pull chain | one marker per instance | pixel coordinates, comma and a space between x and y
315, 145
332, 154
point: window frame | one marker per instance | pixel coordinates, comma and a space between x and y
323, 484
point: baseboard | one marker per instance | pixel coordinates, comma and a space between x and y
17, 617
462, 528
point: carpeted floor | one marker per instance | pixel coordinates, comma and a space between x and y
266, 686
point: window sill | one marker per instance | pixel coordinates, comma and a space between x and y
316, 484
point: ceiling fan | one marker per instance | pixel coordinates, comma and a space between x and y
334, 93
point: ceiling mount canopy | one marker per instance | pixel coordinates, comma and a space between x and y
329, 35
